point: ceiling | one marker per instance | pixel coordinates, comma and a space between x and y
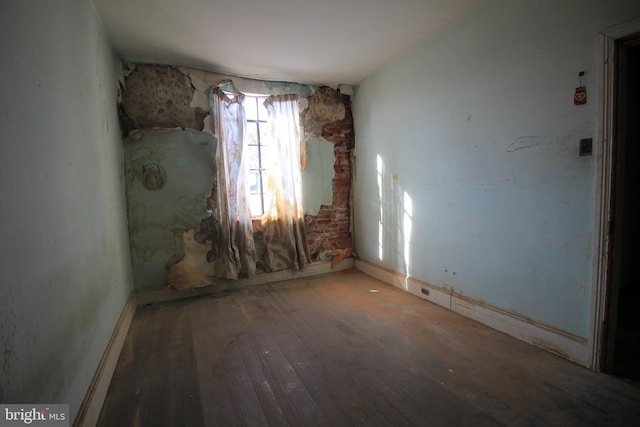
306, 41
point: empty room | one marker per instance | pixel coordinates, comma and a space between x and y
296, 212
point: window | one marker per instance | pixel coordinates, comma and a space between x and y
255, 146
267, 146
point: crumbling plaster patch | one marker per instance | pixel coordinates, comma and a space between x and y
203, 80
160, 97
325, 106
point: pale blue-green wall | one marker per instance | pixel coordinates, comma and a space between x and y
64, 258
317, 177
468, 174
159, 217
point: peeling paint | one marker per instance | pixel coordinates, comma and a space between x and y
157, 218
203, 80
197, 252
280, 88
199, 100
127, 68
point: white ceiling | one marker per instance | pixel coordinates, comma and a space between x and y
307, 41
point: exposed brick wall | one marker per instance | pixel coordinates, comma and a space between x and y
331, 227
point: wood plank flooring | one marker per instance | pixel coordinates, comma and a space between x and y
340, 350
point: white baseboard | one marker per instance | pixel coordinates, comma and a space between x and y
162, 293
94, 398
424, 290
554, 340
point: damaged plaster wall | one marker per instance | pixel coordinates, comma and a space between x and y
158, 96
164, 102
169, 175
329, 120
66, 274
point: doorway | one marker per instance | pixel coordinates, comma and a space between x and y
622, 341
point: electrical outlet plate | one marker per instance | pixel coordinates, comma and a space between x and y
585, 147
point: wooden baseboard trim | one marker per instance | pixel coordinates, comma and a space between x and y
162, 293
94, 398
547, 337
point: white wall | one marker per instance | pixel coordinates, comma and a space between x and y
475, 138
64, 257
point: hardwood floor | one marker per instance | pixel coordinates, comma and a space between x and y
344, 349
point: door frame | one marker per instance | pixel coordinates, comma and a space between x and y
604, 186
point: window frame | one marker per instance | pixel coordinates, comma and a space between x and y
261, 126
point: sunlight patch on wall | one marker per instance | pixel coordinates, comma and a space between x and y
380, 174
395, 221
406, 232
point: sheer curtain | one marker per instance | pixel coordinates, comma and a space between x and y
284, 234
235, 255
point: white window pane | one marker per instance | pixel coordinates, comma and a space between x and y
250, 155
250, 108
264, 133
253, 182
251, 138
255, 204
